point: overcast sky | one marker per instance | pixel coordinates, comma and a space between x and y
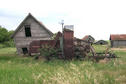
98, 18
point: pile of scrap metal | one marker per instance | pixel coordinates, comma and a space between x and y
81, 48
84, 49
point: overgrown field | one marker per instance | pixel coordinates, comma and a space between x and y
16, 69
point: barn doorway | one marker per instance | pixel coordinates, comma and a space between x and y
101, 43
25, 50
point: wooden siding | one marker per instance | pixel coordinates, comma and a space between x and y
36, 29
37, 33
118, 43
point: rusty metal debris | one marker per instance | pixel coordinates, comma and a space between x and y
83, 48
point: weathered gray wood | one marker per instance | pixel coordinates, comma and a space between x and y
37, 33
118, 43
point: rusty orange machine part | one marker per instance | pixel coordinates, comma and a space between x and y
68, 44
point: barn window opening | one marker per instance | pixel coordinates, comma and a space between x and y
25, 50
27, 31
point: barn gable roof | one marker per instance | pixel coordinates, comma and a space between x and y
40, 23
86, 37
118, 37
102, 42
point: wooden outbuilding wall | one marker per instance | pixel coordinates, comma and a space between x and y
118, 40
118, 43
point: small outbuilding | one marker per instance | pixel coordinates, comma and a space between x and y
101, 42
88, 38
118, 40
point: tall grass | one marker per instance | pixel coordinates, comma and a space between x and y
16, 69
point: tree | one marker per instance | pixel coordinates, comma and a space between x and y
9, 34
5, 34
54, 36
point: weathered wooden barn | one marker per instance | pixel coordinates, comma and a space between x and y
101, 42
118, 40
29, 30
88, 38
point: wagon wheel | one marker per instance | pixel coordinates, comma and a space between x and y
107, 50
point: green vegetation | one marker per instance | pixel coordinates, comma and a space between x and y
48, 52
7, 51
100, 48
5, 38
16, 69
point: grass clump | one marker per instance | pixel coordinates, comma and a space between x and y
48, 52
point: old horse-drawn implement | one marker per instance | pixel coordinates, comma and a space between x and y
72, 47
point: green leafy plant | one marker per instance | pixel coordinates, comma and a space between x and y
5, 38
48, 52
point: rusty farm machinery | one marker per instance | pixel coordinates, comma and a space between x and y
84, 49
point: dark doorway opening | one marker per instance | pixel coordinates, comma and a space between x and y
27, 31
25, 50
101, 43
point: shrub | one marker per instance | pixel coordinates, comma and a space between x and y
48, 52
2, 46
7, 44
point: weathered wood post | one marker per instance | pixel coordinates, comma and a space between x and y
68, 44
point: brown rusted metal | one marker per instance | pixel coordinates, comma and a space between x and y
68, 44
36, 45
118, 37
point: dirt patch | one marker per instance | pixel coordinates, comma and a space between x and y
121, 49
104, 61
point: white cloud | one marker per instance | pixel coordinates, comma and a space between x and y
100, 18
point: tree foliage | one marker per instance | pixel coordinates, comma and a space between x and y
54, 36
5, 38
5, 34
